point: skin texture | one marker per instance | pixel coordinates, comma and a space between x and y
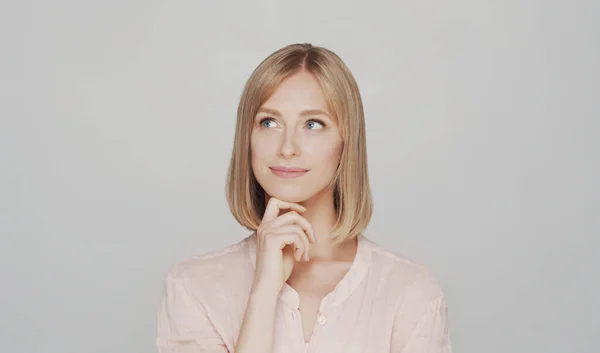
294, 128
283, 136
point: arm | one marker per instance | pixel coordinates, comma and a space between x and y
257, 330
182, 323
277, 236
430, 334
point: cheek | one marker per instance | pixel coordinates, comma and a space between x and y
260, 149
335, 155
254, 153
329, 154
255, 147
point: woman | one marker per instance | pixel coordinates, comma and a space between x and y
306, 279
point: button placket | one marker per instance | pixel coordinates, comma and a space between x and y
322, 319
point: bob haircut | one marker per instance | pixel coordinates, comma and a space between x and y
351, 189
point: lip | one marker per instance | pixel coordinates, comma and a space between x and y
288, 172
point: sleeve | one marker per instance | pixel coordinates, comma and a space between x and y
430, 333
182, 323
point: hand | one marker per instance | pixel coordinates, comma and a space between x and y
281, 240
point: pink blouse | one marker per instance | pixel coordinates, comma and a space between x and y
384, 303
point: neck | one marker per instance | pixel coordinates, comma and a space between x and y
321, 213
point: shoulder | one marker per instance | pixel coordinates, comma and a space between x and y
402, 276
214, 272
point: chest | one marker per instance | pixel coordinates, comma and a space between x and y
355, 325
312, 286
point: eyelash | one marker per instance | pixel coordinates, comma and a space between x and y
314, 120
263, 120
317, 121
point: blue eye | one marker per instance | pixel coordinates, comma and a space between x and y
267, 122
314, 125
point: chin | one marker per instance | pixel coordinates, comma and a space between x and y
289, 196
289, 193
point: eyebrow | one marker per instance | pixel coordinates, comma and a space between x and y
302, 113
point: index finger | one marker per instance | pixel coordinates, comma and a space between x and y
275, 205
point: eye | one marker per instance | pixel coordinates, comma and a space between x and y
314, 125
267, 123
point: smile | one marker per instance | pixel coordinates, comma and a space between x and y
288, 172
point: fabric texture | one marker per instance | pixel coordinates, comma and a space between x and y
384, 303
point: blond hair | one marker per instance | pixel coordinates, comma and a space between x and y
351, 189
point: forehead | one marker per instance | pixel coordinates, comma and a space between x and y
298, 92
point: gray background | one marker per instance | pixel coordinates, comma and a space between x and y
117, 119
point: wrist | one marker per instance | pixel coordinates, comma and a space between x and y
266, 291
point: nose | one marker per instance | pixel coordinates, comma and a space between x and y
289, 146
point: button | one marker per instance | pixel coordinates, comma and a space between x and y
322, 320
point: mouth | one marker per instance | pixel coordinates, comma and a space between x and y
288, 172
